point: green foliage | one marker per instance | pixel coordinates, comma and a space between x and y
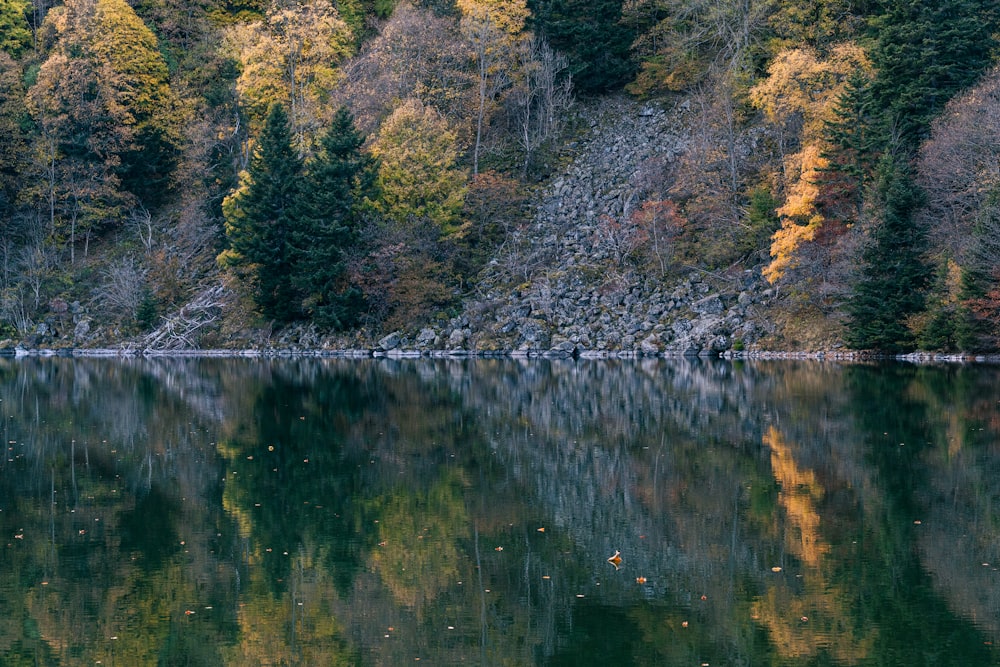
15, 35
854, 141
259, 220
762, 221
131, 49
147, 312
594, 38
419, 178
338, 180
14, 157
816, 23
891, 287
924, 53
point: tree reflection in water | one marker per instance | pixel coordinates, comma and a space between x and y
185, 511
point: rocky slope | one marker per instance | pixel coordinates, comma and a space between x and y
560, 286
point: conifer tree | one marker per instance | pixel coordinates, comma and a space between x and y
593, 37
926, 51
259, 219
891, 288
854, 139
339, 178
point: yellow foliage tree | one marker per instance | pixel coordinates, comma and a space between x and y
799, 96
418, 176
291, 57
493, 28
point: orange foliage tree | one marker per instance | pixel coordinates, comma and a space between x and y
799, 97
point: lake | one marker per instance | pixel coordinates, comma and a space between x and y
463, 512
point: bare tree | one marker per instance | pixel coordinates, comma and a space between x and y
542, 95
141, 221
123, 286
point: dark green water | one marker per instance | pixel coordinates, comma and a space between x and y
377, 512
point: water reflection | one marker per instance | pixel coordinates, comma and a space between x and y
321, 512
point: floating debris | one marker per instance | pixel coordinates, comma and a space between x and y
616, 559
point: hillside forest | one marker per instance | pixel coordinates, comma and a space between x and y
352, 166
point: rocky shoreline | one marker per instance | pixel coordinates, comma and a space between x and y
840, 356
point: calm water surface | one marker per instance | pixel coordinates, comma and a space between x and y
377, 512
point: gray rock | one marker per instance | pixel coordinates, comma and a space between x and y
711, 305
81, 329
457, 338
390, 342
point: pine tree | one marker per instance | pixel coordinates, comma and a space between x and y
926, 51
854, 140
593, 37
339, 178
259, 219
891, 288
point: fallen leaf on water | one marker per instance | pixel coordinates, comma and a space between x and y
616, 559
640, 580
704, 597
498, 549
541, 530
684, 624
775, 569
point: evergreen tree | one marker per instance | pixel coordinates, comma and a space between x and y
854, 141
259, 219
594, 38
894, 277
926, 51
338, 180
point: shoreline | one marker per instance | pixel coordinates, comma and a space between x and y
374, 353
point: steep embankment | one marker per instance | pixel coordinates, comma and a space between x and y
565, 283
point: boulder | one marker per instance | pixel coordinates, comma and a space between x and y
390, 342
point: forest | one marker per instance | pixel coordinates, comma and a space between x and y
227, 167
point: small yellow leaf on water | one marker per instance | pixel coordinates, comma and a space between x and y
640, 580
545, 576
775, 569
541, 530
917, 522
